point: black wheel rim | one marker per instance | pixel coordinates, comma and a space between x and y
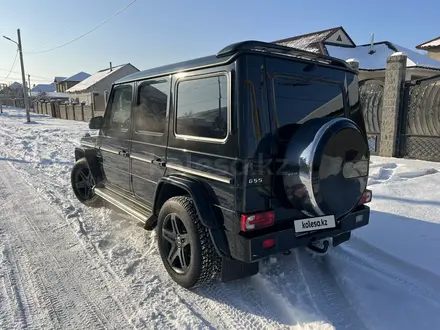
84, 183
176, 244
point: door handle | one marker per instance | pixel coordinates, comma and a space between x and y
124, 153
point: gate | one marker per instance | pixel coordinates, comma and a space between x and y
371, 97
420, 126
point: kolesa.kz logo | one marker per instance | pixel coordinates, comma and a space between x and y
312, 224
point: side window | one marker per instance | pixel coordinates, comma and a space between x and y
152, 106
202, 107
120, 108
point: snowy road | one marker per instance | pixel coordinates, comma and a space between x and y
64, 266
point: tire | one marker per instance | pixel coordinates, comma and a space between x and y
82, 184
178, 221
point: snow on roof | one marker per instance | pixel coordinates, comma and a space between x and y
44, 88
309, 42
93, 79
313, 42
430, 44
378, 60
80, 76
52, 94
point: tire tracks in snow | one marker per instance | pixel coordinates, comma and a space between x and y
162, 311
74, 305
308, 286
413, 279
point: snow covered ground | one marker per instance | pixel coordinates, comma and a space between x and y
65, 266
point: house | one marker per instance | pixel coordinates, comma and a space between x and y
95, 88
16, 85
44, 88
432, 47
63, 84
372, 57
58, 79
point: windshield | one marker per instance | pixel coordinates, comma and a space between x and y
298, 100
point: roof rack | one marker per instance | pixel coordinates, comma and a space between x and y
284, 50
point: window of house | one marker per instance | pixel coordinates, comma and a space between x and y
120, 108
202, 107
152, 106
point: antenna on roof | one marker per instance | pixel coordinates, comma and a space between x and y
372, 51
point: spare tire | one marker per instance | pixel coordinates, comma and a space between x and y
325, 170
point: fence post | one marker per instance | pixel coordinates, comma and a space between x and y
73, 110
65, 109
393, 94
82, 110
93, 109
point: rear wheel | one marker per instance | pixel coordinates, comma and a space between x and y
185, 245
82, 184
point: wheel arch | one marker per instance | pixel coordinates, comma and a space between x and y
91, 157
203, 197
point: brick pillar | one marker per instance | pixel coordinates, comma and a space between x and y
392, 98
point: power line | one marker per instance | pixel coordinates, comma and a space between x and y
12, 78
86, 33
46, 78
13, 64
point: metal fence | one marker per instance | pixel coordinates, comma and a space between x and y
420, 127
371, 96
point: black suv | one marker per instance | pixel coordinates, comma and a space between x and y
233, 157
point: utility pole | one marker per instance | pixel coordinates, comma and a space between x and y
23, 76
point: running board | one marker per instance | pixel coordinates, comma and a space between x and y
136, 211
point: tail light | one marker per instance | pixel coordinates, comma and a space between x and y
367, 196
257, 220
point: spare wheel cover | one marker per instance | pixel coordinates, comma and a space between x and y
327, 167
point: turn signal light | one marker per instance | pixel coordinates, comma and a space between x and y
367, 196
257, 220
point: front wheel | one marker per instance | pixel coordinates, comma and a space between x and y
82, 184
185, 245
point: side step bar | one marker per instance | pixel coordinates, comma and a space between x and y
136, 211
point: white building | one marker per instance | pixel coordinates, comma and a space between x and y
372, 57
95, 88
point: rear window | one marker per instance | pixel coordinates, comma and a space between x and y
298, 100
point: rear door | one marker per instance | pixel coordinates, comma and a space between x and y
114, 140
150, 134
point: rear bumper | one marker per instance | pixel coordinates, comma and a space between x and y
251, 249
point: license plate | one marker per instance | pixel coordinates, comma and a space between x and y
318, 223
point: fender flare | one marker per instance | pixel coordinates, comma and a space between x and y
91, 156
204, 198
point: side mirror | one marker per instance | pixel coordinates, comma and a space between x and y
96, 122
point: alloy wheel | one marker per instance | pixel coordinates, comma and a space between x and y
84, 183
176, 243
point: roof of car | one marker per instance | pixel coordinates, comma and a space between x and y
226, 54
171, 68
